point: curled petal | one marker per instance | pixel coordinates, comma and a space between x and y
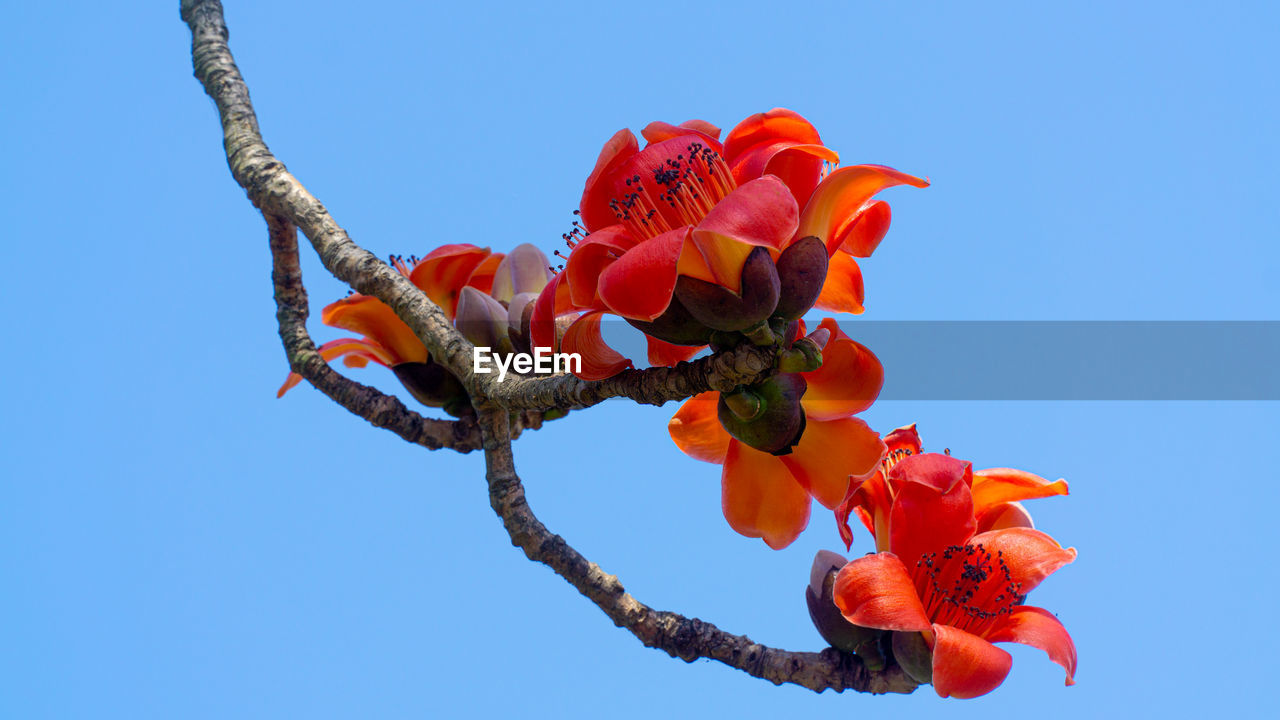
639, 284
831, 451
697, 431
904, 438
356, 353
1001, 485
861, 234
848, 381
665, 353
375, 320
1003, 516
552, 303
484, 274
932, 505
658, 131
1030, 554
599, 361
445, 270
843, 290
965, 665
760, 498
761, 213
876, 591
1038, 628
779, 124
842, 194
599, 190
589, 259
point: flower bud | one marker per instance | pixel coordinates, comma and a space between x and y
519, 316
524, 270
776, 428
913, 655
675, 326
831, 624
804, 355
482, 320
802, 270
720, 308
432, 385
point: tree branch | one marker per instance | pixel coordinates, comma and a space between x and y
677, 635
274, 190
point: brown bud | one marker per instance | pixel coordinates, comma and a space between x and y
802, 269
720, 308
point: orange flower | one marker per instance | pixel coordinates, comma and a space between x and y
689, 234
961, 591
768, 496
386, 340
995, 493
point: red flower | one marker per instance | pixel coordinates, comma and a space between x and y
688, 206
385, 338
961, 591
768, 496
995, 491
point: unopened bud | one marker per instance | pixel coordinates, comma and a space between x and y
524, 270
830, 623
675, 325
780, 422
802, 270
519, 316
804, 355
432, 385
720, 308
482, 320
913, 655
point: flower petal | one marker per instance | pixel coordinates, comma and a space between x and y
965, 665
357, 352
932, 505
375, 320
599, 361
658, 131
639, 284
1030, 554
552, 302
1003, 516
598, 251
848, 381
445, 270
760, 213
861, 234
696, 429
1001, 485
876, 591
760, 498
842, 291
829, 452
484, 274
766, 128
599, 189
842, 194
1038, 628
668, 354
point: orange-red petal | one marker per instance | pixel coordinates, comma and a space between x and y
995, 486
1003, 516
445, 271
861, 234
697, 431
599, 189
357, 353
639, 284
760, 498
773, 126
375, 320
598, 251
1030, 554
599, 361
842, 194
481, 277
965, 665
760, 213
658, 131
848, 381
829, 452
932, 505
1038, 628
876, 591
552, 302
843, 290
668, 354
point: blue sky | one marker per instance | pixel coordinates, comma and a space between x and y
175, 542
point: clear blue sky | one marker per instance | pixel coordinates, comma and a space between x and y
175, 542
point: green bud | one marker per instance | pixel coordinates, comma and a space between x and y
804, 355
780, 422
913, 655
745, 404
